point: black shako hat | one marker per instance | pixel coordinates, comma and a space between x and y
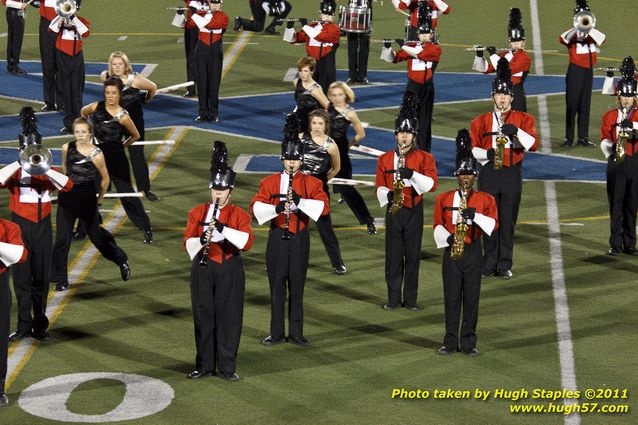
291, 146
503, 81
515, 30
222, 177
407, 121
29, 135
465, 161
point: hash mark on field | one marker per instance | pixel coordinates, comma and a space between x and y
122, 37
290, 75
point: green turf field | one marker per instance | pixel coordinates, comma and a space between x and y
360, 353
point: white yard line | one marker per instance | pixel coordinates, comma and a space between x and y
561, 305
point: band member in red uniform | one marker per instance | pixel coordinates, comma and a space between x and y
288, 200
184, 19
437, 7
322, 40
519, 60
216, 233
518, 131
209, 58
30, 204
461, 216
52, 91
359, 48
11, 252
422, 58
581, 44
69, 60
279, 9
622, 164
404, 174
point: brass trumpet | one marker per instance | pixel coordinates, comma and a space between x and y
584, 21
66, 8
35, 159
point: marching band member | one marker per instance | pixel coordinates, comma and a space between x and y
288, 200
436, 7
109, 121
581, 44
461, 216
209, 58
342, 115
82, 162
279, 9
322, 40
184, 19
216, 233
69, 60
423, 58
611, 83
500, 139
619, 125
321, 160
15, 34
359, 49
30, 204
404, 174
518, 59
52, 91
308, 93
12, 251
132, 98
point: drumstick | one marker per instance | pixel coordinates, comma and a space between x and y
175, 87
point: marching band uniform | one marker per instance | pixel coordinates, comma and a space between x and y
69, 60
423, 58
505, 184
12, 251
191, 35
359, 49
217, 282
437, 7
30, 204
462, 276
279, 9
287, 259
519, 60
15, 34
209, 58
404, 230
322, 41
622, 176
52, 91
579, 79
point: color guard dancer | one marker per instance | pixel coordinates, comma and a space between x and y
288, 200
216, 233
461, 216
404, 174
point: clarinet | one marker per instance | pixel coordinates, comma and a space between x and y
209, 232
286, 235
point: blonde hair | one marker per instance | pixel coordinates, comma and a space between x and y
346, 90
308, 61
121, 55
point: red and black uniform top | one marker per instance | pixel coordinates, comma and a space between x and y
582, 53
611, 126
30, 196
485, 128
69, 39
445, 215
211, 26
322, 40
420, 68
10, 233
200, 6
437, 7
424, 179
520, 64
47, 9
273, 190
236, 231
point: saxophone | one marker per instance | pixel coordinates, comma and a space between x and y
286, 235
501, 141
461, 228
397, 185
619, 152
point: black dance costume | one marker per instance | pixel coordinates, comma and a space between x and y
305, 105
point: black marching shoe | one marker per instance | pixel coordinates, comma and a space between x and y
614, 251
79, 236
17, 71
299, 340
48, 108
125, 271
472, 353
365, 81
630, 251
213, 118
272, 31
584, 141
412, 306
228, 376
237, 24
151, 196
567, 144
200, 118
17, 335
42, 334
190, 93
372, 229
61, 286
148, 237
196, 374
446, 351
4, 400
272, 340
341, 269
505, 274
390, 306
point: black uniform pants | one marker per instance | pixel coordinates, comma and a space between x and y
358, 51
71, 79
259, 17
5, 324
287, 264
622, 194
425, 95
51, 84
520, 100
217, 299
190, 43
100, 237
326, 71
461, 291
31, 278
577, 100
138, 159
328, 236
210, 60
403, 234
506, 187
15, 34
356, 203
